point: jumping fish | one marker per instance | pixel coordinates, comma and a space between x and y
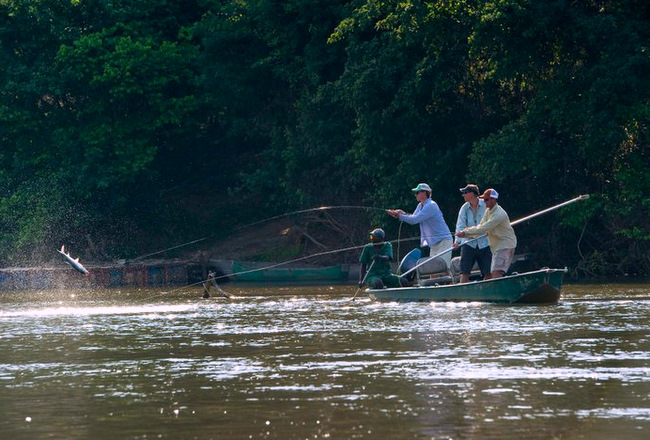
74, 262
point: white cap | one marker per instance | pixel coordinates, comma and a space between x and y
422, 187
490, 193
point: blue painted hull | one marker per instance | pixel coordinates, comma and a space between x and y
538, 287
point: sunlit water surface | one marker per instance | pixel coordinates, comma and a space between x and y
308, 363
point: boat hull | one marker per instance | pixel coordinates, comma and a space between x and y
538, 287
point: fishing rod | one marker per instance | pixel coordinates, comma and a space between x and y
516, 222
363, 280
302, 211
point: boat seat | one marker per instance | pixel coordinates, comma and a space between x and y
437, 265
435, 271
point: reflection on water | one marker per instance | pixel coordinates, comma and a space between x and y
294, 363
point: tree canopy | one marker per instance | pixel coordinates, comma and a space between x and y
131, 126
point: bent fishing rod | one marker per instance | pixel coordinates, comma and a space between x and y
516, 222
259, 222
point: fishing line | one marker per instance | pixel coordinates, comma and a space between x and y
399, 234
295, 260
302, 211
552, 208
171, 248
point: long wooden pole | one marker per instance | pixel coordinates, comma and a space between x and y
552, 208
516, 222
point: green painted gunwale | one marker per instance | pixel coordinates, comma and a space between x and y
537, 287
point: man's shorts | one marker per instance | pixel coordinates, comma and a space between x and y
442, 246
502, 259
470, 255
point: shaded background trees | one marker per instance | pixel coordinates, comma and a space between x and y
127, 127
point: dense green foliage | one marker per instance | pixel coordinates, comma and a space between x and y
131, 126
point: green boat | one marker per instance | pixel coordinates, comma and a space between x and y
538, 287
288, 275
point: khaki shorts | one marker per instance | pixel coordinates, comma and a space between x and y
502, 259
441, 246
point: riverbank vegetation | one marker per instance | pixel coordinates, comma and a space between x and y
127, 127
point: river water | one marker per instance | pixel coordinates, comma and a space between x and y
308, 363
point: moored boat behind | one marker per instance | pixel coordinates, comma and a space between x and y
288, 275
537, 287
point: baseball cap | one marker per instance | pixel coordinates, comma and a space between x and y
422, 187
470, 188
490, 193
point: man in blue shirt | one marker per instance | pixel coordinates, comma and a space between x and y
474, 251
435, 236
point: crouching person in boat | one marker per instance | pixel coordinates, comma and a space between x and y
375, 259
496, 224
